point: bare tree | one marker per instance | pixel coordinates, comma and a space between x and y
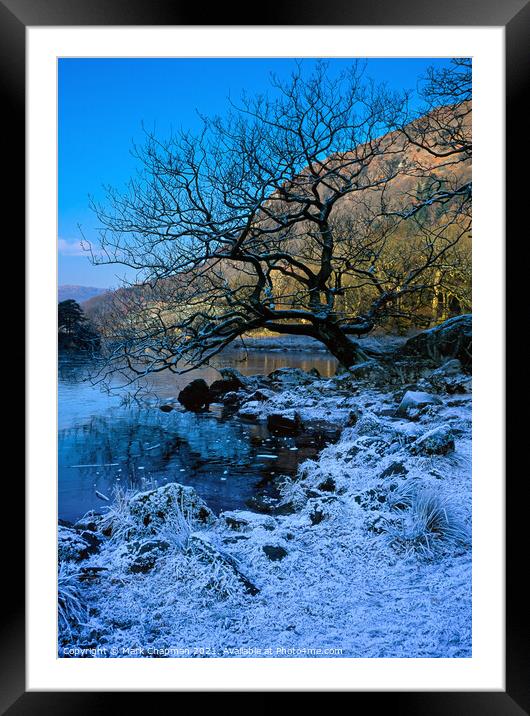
269, 219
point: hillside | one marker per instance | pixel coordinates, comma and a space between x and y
78, 293
396, 176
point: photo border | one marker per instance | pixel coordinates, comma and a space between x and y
514, 15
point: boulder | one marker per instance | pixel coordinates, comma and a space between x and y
368, 424
415, 400
450, 378
451, 339
246, 382
151, 510
195, 396
75, 546
219, 388
328, 485
316, 516
275, 552
322, 431
370, 370
438, 441
411, 370
90, 521
286, 423
263, 504
244, 520
290, 377
231, 398
395, 468
448, 369
250, 411
459, 385
147, 554
261, 395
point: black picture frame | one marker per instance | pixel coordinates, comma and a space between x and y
514, 15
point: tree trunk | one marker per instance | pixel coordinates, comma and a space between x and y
337, 342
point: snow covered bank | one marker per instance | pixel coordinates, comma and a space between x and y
277, 342
366, 554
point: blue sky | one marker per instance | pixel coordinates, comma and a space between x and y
103, 102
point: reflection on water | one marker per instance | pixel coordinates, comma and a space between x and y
104, 443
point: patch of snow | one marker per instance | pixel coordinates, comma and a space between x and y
351, 564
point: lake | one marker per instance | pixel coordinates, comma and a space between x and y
106, 441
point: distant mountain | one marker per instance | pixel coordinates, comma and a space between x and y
79, 293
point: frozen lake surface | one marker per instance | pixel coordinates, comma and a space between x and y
103, 442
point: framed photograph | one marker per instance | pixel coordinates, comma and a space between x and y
266, 416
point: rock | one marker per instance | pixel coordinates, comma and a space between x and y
395, 468
328, 485
250, 411
341, 370
195, 396
242, 519
147, 555
91, 574
415, 400
323, 431
459, 385
212, 554
234, 523
286, 423
90, 522
451, 339
151, 510
285, 508
75, 546
370, 499
448, 369
153, 546
316, 516
369, 370
385, 413
410, 371
262, 504
261, 395
450, 378
227, 385
290, 376
314, 372
246, 382
319, 508
368, 424
166, 408
94, 542
438, 441
274, 552
231, 398
353, 417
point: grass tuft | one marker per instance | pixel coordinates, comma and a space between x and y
72, 611
428, 525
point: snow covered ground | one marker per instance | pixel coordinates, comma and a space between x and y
367, 554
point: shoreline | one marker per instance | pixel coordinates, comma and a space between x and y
279, 342
339, 563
